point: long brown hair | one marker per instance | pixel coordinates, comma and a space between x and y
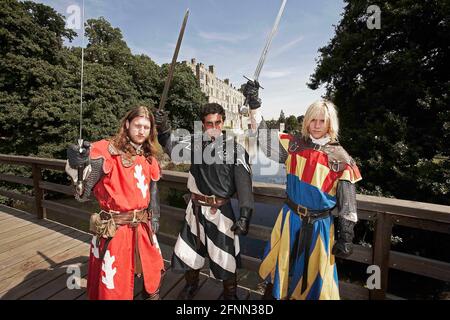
122, 142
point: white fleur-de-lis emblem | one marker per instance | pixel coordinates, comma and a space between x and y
141, 180
110, 272
95, 250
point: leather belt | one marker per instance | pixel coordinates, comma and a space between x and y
307, 215
211, 201
199, 200
133, 219
308, 218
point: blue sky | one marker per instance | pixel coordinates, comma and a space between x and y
230, 34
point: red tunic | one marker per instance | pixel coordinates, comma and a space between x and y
123, 188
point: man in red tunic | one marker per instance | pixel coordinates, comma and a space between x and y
122, 172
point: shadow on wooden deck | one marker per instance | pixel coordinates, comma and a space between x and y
35, 256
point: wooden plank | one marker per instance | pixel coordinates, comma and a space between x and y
70, 294
435, 269
212, 289
56, 187
40, 271
250, 263
405, 208
38, 192
254, 295
65, 209
16, 212
175, 291
22, 231
421, 224
28, 267
351, 291
8, 259
25, 160
16, 179
361, 254
13, 245
381, 251
170, 280
13, 224
54, 286
17, 196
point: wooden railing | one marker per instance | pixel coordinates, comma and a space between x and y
385, 212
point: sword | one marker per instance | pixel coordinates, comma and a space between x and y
162, 102
262, 59
80, 169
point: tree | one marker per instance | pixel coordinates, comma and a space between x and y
185, 96
282, 118
292, 124
391, 87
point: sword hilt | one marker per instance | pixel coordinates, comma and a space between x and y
80, 169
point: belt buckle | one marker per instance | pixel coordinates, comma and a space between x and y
305, 214
134, 222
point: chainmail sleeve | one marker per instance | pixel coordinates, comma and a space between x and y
91, 180
272, 149
346, 201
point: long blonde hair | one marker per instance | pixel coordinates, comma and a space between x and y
328, 109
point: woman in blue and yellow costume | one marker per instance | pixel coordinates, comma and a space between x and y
299, 259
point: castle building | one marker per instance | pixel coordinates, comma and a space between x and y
220, 91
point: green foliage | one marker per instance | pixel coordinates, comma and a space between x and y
391, 87
40, 82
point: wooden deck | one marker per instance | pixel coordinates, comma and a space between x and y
35, 254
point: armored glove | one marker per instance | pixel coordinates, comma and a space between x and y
241, 226
250, 92
344, 243
76, 158
162, 121
155, 223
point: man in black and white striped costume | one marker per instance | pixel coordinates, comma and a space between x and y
219, 169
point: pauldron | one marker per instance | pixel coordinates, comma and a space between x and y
338, 158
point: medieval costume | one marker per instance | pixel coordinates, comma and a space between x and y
298, 260
125, 244
208, 230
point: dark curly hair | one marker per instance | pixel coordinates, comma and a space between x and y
212, 108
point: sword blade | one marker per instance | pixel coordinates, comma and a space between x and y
262, 59
162, 102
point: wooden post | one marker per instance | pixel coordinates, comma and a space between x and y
38, 193
381, 250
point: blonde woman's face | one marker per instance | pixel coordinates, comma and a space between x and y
318, 127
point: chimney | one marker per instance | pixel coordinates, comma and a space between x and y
211, 69
227, 81
193, 61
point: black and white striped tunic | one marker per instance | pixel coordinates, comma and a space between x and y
223, 179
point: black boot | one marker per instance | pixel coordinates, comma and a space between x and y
229, 289
268, 292
191, 287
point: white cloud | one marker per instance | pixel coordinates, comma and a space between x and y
274, 74
287, 46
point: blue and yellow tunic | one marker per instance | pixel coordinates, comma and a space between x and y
311, 183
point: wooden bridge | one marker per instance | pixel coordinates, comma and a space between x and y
35, 253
